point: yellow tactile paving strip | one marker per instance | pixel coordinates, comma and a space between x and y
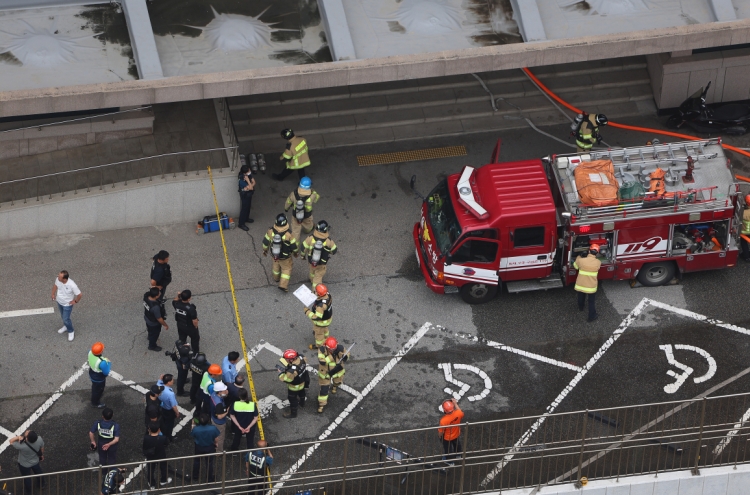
410, 156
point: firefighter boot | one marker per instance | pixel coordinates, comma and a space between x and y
290, 414
334, 389
321, 407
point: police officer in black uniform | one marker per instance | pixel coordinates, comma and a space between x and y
154, 314
187, 321
198, 366
161, 273
182, 354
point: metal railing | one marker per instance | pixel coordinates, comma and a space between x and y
105, 175
498, 455
227, 130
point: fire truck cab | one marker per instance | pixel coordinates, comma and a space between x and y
522, 224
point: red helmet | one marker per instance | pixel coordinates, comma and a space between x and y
331, 343
448, 406
747, 199
97, 348
290, 354
321, 290
594, 247
214, 369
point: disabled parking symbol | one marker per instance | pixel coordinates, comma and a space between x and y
686, 370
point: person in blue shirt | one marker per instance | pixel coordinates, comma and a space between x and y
256, 463
99, 368
229, 368
217, 401
206, 438
170, 412
104, 436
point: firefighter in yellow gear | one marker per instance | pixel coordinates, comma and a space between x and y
301, 202
294, 155
331, 359
744, 245
587, 281
295, 374
587, 130
317, 249
321, 314
282, 246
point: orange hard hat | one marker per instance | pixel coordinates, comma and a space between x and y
747, 199
331, 343
594, 247
290, 354
448, 406
214, 369
97, 348
321, 290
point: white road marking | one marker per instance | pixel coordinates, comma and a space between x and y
576, 379
26, 312
7, 433
482, 375
530, 355
47, 404
341, 417
653, 423
732, 433
711, 362
703, 318
463, 387
349, 390
671, 388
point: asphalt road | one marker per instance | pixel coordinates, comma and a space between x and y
382, 304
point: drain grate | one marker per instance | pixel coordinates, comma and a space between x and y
411, 156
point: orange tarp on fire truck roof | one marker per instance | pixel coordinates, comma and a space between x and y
596, 183
509, 190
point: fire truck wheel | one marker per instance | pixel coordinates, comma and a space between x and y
653, 274
478, 293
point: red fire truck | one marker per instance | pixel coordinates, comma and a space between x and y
522, 224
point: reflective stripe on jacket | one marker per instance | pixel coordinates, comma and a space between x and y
746, 221
588, 270
297, 154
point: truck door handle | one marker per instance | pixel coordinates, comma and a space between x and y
542, 257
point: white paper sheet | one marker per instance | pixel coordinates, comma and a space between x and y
304, 294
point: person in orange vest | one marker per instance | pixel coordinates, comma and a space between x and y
449, 435
587, 281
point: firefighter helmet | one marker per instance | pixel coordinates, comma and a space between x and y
97, 348
331, 343
594, 249
601, 119
321, 290
281, 220
214, 369
287, 133
448, 406
290, 354
305, 183
322, 227
747, 199
200, 358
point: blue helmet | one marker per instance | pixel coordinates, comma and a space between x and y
305, 183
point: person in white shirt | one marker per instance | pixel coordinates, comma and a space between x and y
66, 293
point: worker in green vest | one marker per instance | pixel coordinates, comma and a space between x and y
99, 368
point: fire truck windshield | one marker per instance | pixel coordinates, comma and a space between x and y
445, 227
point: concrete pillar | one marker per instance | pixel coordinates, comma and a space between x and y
337, 30
529, 20
142, 39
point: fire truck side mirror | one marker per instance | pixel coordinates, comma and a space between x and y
448, 259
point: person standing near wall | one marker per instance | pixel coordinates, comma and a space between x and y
246, 188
